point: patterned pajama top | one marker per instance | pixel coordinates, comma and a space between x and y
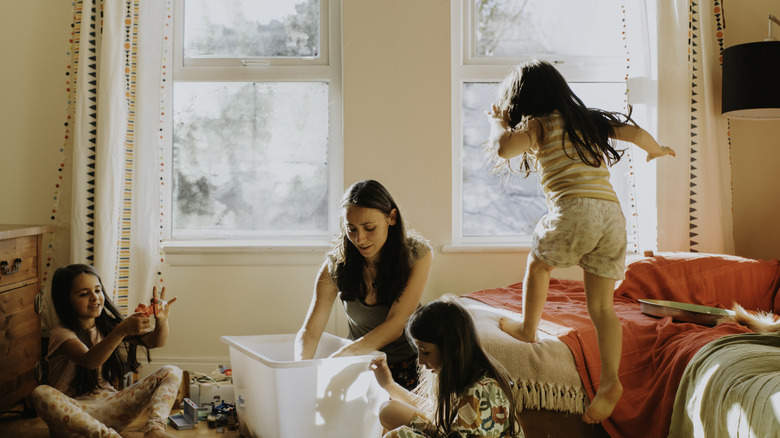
483, 411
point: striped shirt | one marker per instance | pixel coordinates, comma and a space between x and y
62, 371
567, 176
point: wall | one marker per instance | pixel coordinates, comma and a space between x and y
755, 151
396, 129
32, 113
396, 78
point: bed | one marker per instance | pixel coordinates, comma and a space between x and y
558, 375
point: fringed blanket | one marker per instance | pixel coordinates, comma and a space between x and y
540, 386
731, 388
655, 351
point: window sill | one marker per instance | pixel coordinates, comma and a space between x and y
243, 253
485, 248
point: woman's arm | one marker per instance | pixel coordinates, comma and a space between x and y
506, 142
308, 337
644, 140
158, 336
93, 358
399, 314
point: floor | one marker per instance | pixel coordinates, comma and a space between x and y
13, 425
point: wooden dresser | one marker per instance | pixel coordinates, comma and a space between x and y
21, 299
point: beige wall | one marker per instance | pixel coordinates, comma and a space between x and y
755, 150
32, 113
396, 58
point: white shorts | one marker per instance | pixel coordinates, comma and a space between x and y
587, 232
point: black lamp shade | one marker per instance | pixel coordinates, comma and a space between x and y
751, 80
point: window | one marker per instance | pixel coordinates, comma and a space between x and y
256, 122
587, 45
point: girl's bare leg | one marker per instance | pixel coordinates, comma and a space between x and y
599, 292
535, 285
394, 414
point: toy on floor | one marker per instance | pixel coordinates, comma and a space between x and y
223, 415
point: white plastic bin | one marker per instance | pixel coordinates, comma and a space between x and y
277, 397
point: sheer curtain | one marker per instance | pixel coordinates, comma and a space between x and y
115, 68
694, 189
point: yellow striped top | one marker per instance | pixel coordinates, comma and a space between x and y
567, 176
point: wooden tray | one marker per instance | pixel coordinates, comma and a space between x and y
684, 312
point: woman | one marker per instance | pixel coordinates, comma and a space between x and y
379, 271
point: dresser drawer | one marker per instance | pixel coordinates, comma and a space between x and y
19, 260
20, 342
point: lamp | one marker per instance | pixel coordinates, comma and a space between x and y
751, 79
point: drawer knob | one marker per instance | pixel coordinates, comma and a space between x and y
38, 303
39, 372
5, 269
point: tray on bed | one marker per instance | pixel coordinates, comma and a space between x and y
684, 312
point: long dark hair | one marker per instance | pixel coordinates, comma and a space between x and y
113, 368
394, 264
537, 89
448, 325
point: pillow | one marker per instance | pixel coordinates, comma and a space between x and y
715, 280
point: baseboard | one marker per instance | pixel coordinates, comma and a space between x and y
197, 364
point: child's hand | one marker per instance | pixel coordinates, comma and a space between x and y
135, 324
381, 371
497, 114
158, 307
663, 150
161, 308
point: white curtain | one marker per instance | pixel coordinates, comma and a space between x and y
117, 50
694, 189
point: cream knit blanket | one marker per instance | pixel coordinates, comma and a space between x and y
544, 372
731, 388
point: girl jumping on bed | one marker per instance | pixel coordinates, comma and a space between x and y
463, 392
84, 358
538, 117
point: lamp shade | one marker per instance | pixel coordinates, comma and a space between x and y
751, 80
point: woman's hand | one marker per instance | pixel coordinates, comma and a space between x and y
382, 372
346, 351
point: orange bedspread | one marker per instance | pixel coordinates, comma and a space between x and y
655, 350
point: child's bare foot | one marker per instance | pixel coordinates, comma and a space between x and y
604, 403
158, 433
516, 330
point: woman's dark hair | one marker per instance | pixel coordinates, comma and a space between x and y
113, 368
537, 89
394, 262
448, 325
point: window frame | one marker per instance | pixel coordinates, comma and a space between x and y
466, 67
326, 67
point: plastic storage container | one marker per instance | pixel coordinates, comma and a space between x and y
277, 397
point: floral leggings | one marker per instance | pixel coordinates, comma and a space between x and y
102, 413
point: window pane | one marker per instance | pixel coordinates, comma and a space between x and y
250, 158
512, 206
251, 28
512, 28
492, 206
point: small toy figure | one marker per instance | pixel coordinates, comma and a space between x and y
155, 306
